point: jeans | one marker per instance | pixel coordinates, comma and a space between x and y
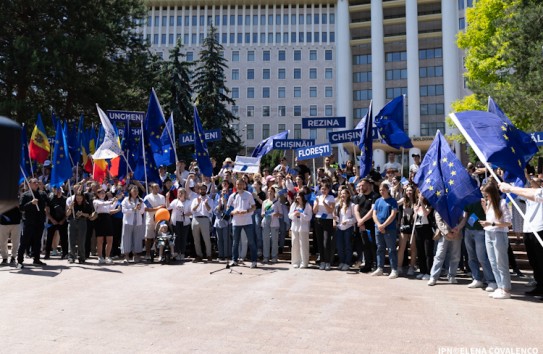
384, 241
496, 247
270, 235
224, 241
257, 221
250, 232
476, 247
446, 248
343, 245
77, 234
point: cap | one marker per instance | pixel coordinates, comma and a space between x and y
46, 163
228, 160
413, 155
270, 178
161, 166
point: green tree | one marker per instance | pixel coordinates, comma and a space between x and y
70, 55
212, 97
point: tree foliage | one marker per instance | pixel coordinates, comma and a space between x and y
212, 97
71, 54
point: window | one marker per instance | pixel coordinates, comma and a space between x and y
251, 55
430, 128
432, 109
190, 56
430, 53
235, 110
235, 55
292, 37
265, 131
266, 55
170, 38
297, 111
396, 74
250, 111
359, 113
395, 92
362, 76
328, 110
297, 55
281, 92
313, 73
297, 74
324, 19
461, 23
282, 55
281, 74
460, 4
250, 131
163, 39
235, 92
313, 92
164, 21
316, 19
172, 21
250, 92
265, 92
313, 134
361, 59
293, 19
281, 111
328, 91
235, 74
431, 90
327, 54
250, 74
179, 20
301, 19
194, 21
324, 37
313, 110
362, 95
297, 131
308, 36
265, 111
266, 74
312, 54
328, 73
431, 71
316, 37
281, 128
297, 91
395, 56
155, 38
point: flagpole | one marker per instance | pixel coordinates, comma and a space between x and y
481, 157
29, 159
144, 159
403, 153
29, 188
173, 141
314, 174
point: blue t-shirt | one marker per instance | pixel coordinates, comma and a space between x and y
383, 208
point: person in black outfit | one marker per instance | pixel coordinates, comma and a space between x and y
363, 214
32, 204
57, 219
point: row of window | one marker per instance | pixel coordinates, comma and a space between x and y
392, 92
241, 20
282, 74
297, 55
282, 111
429, 53
247, 38
425, 110
462, 4
282, 92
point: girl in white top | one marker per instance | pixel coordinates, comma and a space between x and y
345, 220
132, 232
180, 219
496, 225
271, 212
103, 226
323, 208
300, 214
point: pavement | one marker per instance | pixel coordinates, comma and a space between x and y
153, 308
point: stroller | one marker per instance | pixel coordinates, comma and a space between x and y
164, 242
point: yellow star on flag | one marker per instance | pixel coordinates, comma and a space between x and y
444, 159
451, 164
513, 149
451, 182
504, 128
505, 137
431, 188
453, 173
438, 193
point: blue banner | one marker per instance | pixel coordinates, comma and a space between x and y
210, 135
123, 116
314, 151
291, 144
538, 138
345, 136
323, 122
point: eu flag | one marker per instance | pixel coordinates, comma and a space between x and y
202, 154
166, 156
154, 120
61, 166
366, 143
389, 122
445, 183
266, 145
499, 141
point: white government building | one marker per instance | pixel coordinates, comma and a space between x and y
293, 59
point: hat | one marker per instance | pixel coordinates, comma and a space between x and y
415, 154
228, 160
161, 166
46, 163
270, 178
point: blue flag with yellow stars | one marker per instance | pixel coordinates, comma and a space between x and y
200, 146
153, 123
61, 166
500, 142
166, 156
445, 183
389, 122
366, 143
266, 145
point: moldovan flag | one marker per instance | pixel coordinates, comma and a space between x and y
99, 171
39, 148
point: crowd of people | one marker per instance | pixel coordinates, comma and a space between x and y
354, 222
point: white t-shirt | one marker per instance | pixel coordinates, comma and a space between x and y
534, 217
322, 213
241, 201
180, 211
155, 201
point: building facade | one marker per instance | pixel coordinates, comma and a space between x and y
293, 59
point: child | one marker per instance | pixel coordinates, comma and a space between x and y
164, 236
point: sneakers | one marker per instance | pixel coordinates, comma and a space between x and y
210, 259
303, 266
328, 266
411, 271
101, 260
495, 292
432, 282
39, 263
322, 265
71, 260
377, 272
345, 267
109, 260
253, 265
491, 287
233, 263
4, 261
339, 266
501, 294
393, 274
295, 266
20, 266
426, 277
452, 280
475, 284
274, 260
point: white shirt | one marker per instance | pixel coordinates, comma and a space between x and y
301, 224
102, 206
155, 201
322, 209
490, 216
241, 201
346, 217
180, 211
534, 217
130, 211
200, 204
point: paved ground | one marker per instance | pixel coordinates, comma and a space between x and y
273, 309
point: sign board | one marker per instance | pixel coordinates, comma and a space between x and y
312, 152
210, 135
246, 164
291, 144
123, 116
538, 138
323, 122
345, 136
133, 131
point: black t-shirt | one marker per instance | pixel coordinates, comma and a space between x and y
262, 197
365, 201
57, 208
83, 207
11, 217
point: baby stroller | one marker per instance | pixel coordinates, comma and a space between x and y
164, 242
